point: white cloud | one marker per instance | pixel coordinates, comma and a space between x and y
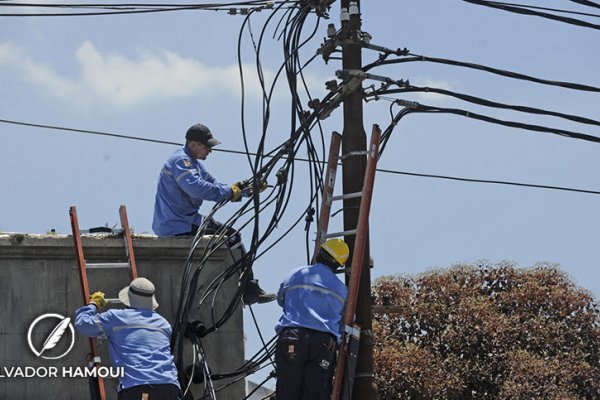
437, 84
112, 79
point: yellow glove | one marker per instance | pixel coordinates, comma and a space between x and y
263, 186
236, 192
98, 299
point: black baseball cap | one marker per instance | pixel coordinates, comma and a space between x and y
201, 133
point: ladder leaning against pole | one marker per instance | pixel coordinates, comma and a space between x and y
348, 352
99, 392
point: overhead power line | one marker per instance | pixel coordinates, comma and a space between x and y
135, 8
586, 3
497, 71
388, 171
496, 182
526, 11
549, 9
513, 124
487, 103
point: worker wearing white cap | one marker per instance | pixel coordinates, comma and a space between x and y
139, 340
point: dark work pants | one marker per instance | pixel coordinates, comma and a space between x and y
235, 238
154, 392
305, 361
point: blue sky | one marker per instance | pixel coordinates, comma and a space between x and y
154, 75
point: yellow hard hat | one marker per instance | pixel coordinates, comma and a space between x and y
338, 249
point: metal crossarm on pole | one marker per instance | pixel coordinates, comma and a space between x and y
98, 390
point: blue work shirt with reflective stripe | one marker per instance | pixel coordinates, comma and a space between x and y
138, 340
183, 184
312, 297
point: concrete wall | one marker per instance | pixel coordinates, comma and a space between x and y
38, 275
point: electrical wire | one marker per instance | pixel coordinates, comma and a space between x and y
512, 124
489, 181
387, 171
131, 8
548, 9
586, 3
488, 103
525, 11
497, 71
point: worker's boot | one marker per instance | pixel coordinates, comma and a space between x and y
254, 294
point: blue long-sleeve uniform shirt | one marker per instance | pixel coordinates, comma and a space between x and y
183, 185
312, 297
139, 340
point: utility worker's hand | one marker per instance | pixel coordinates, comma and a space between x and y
236, 192
98, 299
262, 186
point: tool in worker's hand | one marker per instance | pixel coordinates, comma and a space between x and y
247, 186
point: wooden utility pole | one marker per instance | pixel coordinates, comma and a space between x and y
354, 145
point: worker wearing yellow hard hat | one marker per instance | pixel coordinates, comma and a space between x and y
313, 300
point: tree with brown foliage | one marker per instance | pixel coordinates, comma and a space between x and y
487, 332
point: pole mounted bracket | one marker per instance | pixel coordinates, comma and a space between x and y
349, 86
321, 7
387, 81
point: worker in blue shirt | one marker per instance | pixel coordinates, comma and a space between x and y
183, 185
139, 340
313, 300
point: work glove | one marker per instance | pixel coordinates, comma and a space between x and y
98, 299
236, 192
262, 186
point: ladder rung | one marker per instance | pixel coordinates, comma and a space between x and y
347, 196
343, 233
113, 301
106, 265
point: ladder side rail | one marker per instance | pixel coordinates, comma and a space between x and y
128, 241
85, 290
328, 186
360, 243
357, 257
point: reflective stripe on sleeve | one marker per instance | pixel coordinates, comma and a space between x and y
97, 321
189, 171
139, 326
319, 289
